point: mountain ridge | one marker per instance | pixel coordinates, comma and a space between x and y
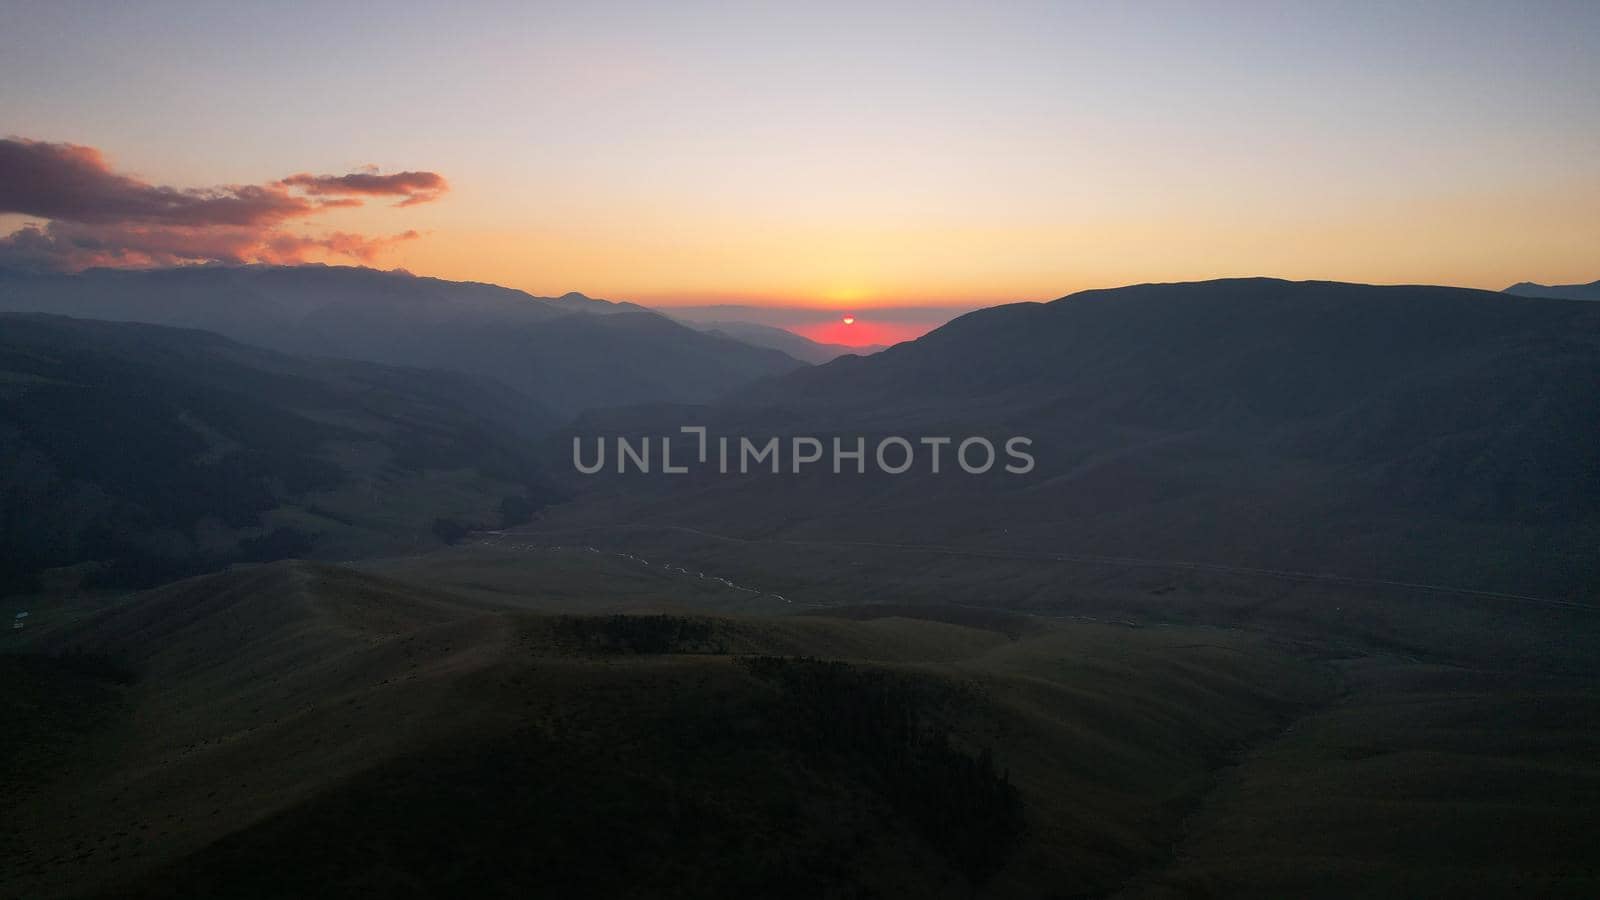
626, 355
1590, 291
1416, 433
122, 464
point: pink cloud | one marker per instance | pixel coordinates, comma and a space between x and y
414, 187
99, 217
287, 248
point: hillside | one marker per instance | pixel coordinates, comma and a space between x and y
568, 353
312, 716
1414, 434
135, 453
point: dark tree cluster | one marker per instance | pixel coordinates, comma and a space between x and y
637, 634
135, 568
450, 531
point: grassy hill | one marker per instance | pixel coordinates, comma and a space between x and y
299, 729
136, 453
1426, 781
317, 717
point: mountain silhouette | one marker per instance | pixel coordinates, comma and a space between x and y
1425, 433
568, 353
1590, 291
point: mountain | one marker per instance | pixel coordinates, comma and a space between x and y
1418, 434
568, 353
135, 453
801, 348
1590, 291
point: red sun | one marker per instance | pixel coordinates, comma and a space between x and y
849, 320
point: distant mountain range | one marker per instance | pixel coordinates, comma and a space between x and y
801, 348
1439, 435
1590, 291
567, 353
138, 453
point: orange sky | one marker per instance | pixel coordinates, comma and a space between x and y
863, 156
1488, 238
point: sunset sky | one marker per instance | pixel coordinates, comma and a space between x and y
852, 156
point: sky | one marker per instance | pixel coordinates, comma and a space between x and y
850, 157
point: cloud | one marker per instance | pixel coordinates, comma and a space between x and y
72, 183
99, 217
69, 246
292, 248
414, 187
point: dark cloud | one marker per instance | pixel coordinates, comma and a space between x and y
71, 183
99, 217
